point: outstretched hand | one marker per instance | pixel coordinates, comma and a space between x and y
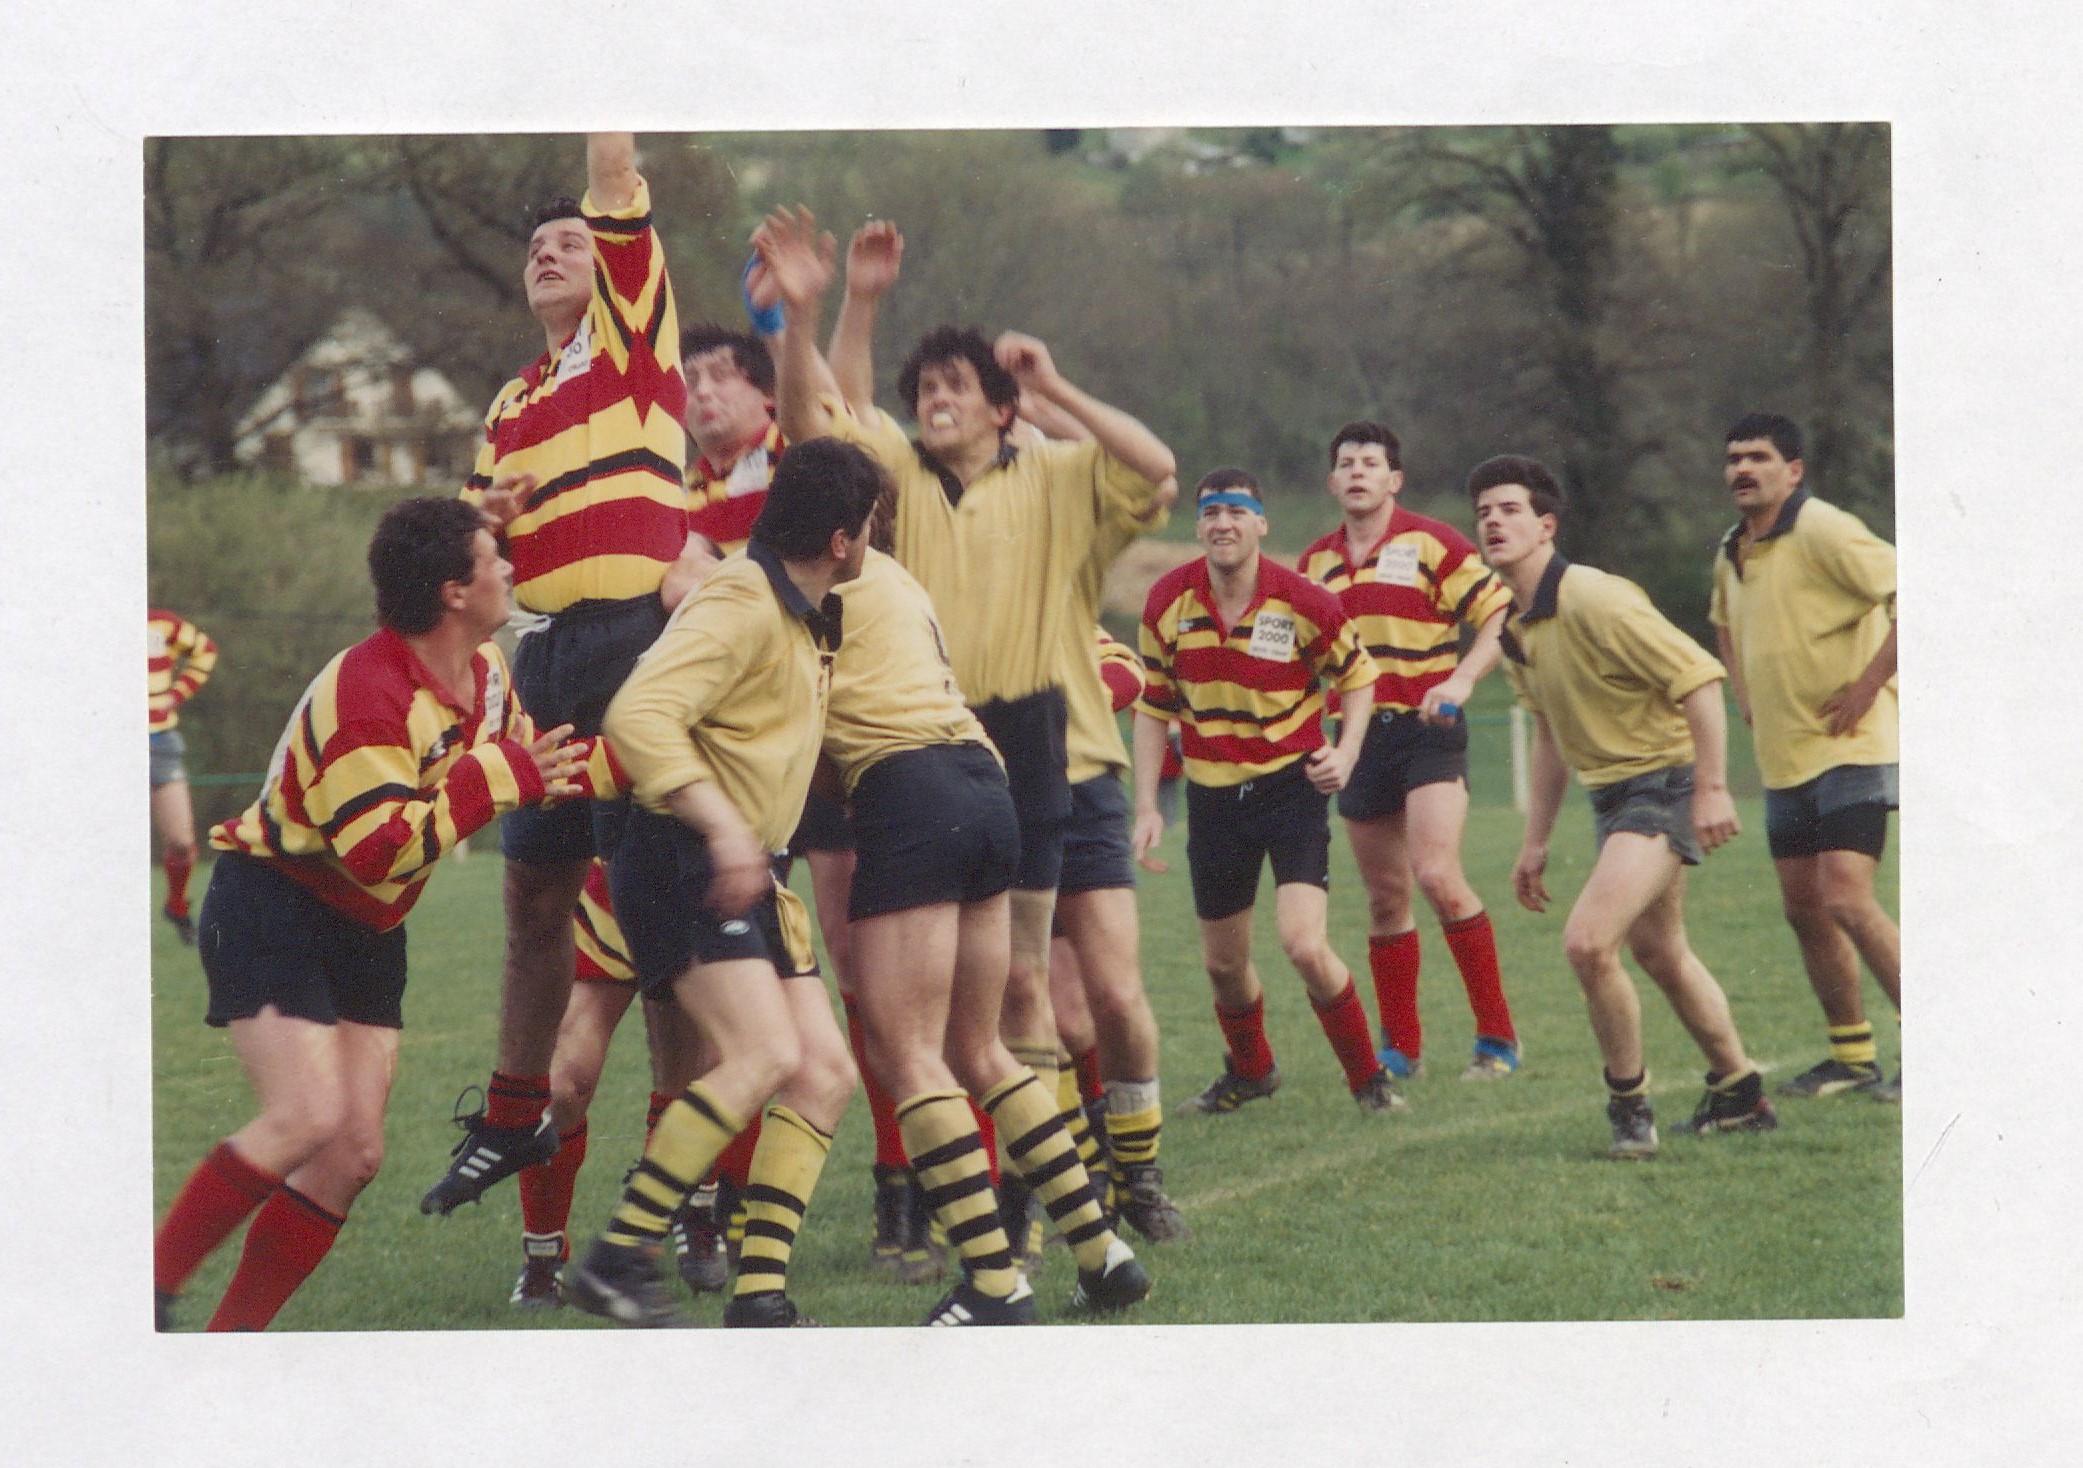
560, 761
874, 258
798, 259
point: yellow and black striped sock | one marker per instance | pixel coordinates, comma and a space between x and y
1071, 1107
1853, 1044
690, 1135
1622, 1089
947, 1156
785, 1165
1039, 1149
1135, 1120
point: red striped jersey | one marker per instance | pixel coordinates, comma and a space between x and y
1407, 594
178, 658
601, 426
723, 503
603, 953
1249, 698
381, 771
1120, 669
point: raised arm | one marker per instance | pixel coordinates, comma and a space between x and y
799, 262
873, 260
1119, 433
611, 169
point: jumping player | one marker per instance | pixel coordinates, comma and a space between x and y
1633, 705
581, 466
1237, 648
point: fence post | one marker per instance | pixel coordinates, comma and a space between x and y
1522, 771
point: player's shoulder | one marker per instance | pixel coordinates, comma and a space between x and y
1169, 587
1316, 602
375, 680
1324, 548
1411, 524
1819, 520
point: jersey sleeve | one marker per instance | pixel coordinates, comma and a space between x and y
631, 283
1466, 589
1341, 659
1857, 560
363, 797
195, 654
1160, 696
1121, 669
1718, 597
876, 435
1644, 641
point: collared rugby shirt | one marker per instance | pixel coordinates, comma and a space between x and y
1408, 595
1807, 606
178, 658
892, 687
999, 557
1249, 698
734, 690
1595, 659
723, 502
601, 426
381, 772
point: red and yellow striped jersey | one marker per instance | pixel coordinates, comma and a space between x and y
178, 658
380, 772
601, 426
1406, 595
723, 503
1248, 698
1120, 669
603, 953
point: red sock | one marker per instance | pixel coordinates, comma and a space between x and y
1244, 1030
218, 1195
288, 1238
987, 1133
1394, 961
546, 1188
736, 1161
659, 1101
1090, 1086
516, 1101
1345, 1024
1474, 943
178, 865
882, 1111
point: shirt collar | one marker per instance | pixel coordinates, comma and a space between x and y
1544, 595
952, 487
422, 676
1789, 512
823, 621
771, 441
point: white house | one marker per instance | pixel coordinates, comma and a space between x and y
355, 409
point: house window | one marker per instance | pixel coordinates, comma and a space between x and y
278, 452
357, 458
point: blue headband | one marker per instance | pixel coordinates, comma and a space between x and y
1242, 498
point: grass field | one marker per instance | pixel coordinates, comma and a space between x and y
1481, 1203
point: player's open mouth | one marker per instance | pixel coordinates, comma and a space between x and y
941, 419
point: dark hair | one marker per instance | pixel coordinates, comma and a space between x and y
419, 547
820, 485
882, 535
1217, 480
564, 206
747, 350
1366, 430
945, 344
1543, 493
1784, 432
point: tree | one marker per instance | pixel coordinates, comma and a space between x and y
1833, 180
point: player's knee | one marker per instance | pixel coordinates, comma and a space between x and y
1588, 952
572, 1087
1440, 879
1228, 968
181, 848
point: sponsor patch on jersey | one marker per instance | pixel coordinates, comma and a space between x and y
1273, 637
1397, 565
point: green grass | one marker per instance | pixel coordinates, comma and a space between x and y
1481, 1203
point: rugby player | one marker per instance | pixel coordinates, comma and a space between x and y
1237, 648
1804, 611
1633, 705
719, 727
581, 466
402, 746
1410, 584
997, 533
178, 659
